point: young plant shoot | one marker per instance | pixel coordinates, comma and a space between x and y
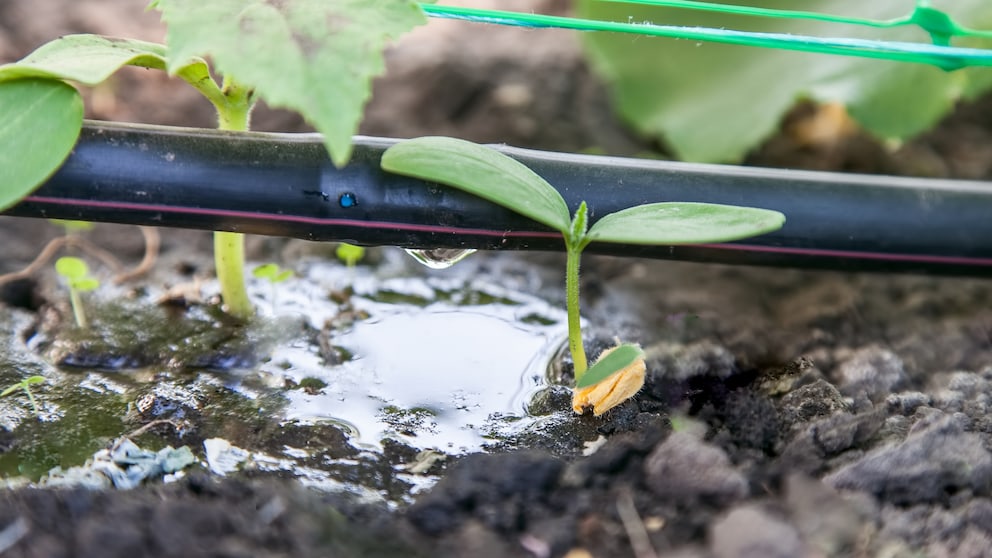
619, 371
77, 276
25, 385
350, 254
274, 275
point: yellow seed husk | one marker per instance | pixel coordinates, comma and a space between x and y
612, 391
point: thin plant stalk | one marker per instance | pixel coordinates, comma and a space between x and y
229, 258
34, 404
77, 309
229, 247
574, 318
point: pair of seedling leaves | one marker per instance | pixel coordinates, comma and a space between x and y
489, 174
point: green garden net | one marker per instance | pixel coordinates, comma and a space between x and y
938, 24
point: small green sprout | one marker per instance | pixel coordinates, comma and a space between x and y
72, 226
350, 254
272, 272
25, 385
498, 178
274, 275
77, 274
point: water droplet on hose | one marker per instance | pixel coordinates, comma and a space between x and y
347, 200
440, 258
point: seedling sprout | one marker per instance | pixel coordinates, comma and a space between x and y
274, 275
25, 385
76, 273
498, 178
349, 254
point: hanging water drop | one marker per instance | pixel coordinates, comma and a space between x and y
440, 258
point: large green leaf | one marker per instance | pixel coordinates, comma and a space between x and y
684, 223
317, 57
713, 102
482, 171
41, 122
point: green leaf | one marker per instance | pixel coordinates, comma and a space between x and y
272, 272
349, 253
72, 225
482, 171
42, 116
580, 225
31, 380
87, 59
714, 103
41, 122
265, 271
71, 268
84, 284
317, 57
684, 223
621, 357
11, 389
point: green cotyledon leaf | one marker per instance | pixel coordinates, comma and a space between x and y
482, 171
317, 57
618, 359
714, 103
91, 59
684, 223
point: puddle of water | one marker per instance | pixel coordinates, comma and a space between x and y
434, 379
444, 360
440, 362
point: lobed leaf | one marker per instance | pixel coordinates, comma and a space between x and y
714, 103
482, 171
41, 123
617, 359
312, 56
684, 223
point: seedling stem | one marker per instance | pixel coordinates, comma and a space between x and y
76, 274
25, 385
233, 113
572, 306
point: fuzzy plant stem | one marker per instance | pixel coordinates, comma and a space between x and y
229, 247
34, 404
572, 305
77, 308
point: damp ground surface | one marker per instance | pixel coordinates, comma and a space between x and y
785, 412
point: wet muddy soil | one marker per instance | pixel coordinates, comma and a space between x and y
785, 412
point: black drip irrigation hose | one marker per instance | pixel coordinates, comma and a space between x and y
285, 185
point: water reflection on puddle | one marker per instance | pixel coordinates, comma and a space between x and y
447, 363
